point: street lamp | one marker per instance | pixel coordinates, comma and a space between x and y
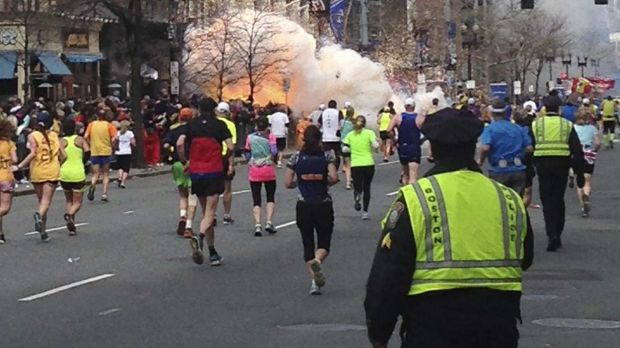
567, 61
470, 41
550, 58
582, 64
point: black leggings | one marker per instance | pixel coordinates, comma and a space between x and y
362, 178
319, 217
270, 188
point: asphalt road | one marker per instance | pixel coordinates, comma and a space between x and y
142, 289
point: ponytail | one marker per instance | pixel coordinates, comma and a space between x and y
41, 129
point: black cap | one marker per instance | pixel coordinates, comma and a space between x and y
452, 127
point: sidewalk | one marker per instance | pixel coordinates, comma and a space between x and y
24, 190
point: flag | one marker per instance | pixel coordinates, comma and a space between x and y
336, 17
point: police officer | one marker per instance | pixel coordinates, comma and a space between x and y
609, 121
313, 171
506, 145
556, 149
451, 270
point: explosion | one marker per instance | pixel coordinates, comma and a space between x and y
286, 54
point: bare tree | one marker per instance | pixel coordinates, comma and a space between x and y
261, 57
28, 18
212, 54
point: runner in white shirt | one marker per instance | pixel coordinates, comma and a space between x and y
279, 122
126, 140
331, 121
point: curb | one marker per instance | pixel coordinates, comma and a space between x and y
141, 174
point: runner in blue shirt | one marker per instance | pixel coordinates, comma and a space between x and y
505, 145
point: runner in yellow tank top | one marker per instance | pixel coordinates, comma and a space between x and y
44, 160
72, 172
8, 157
384, 122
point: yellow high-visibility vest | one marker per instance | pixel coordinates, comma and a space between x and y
457, 249
551, 134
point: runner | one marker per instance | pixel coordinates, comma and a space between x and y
8, 158
330, 122
315, 172
204, 136
260, 149
279, 123
347, 127
44, 159
591, 143
383, 121
360, 143
126, 142
525, 120
187, 204
101, 135
72, 172
223, 114
609, 121
409, 150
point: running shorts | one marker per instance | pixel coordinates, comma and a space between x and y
588, 168
409, 154
73, 186
123, 162
7, 186
100, 160
609, 127
208, 187
384, 135
281, 144
180, 178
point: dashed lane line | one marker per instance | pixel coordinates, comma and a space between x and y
56, 229
65, 287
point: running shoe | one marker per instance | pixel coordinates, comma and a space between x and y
270, 228
315, 289
584, 213
196, 244
2, 239
122, 186
118, 183
571, 181
38, 226
228, 220
348, 187
258, 231
91, 193
181, 226
357, 206
319, 277
104, 198
188, 233
215, 259
385, 160
365, 216
586, 204
70, 224
279, 164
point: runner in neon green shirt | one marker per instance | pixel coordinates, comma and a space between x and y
361, 143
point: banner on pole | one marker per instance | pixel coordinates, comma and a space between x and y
337, 12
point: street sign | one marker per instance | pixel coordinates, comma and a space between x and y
530, 89
470, 84
516, 88
175, 86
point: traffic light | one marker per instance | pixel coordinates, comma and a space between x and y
529, 4
601, 2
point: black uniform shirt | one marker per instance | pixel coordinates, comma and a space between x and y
390, 280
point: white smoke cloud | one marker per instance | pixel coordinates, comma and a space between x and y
316, 77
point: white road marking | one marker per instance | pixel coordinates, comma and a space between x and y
128, 212
109, 311
65, 287
286, 225
238, 193
387, 163
391, 194
56, 229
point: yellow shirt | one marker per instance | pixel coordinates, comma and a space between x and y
45, 166
100, 135
233, 131
7, 147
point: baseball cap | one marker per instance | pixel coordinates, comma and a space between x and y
410, 102
586, 101
347, 104
471, 101
222, 108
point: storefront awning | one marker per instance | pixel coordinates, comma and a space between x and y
83, 58
53, 64
8, 59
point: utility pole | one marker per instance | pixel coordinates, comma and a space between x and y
364, 23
